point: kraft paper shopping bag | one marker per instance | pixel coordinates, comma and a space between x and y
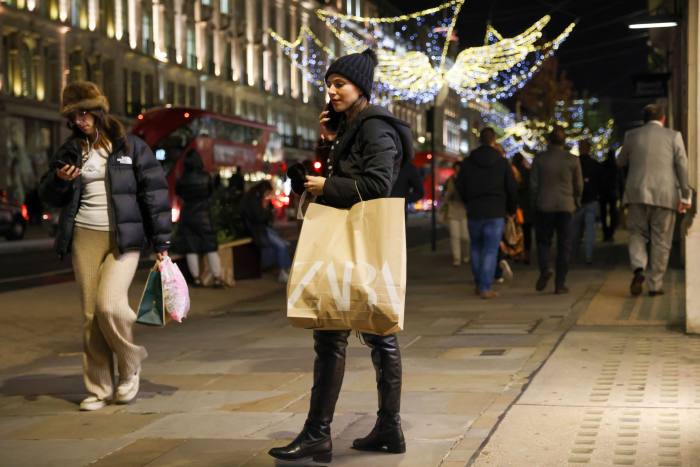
349, 270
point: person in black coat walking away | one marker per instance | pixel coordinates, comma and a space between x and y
585, 215
488, 188
196, 231
610, 190
367, 151
256, 211
114, 199
557, 184
236, 184
409, 185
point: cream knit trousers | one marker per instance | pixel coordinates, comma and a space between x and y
104, 276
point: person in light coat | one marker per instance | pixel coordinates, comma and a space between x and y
656, 189
457, 221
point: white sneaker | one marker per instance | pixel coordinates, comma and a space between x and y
283, 276
507, 271
456, 262
93, 403
128, 389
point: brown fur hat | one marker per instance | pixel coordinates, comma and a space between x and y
83, 95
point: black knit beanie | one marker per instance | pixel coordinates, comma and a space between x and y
358, 68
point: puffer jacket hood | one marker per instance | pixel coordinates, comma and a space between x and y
401, 127
485, 156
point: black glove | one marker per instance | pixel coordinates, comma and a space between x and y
297, 174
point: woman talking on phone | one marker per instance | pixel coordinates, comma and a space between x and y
368, 146
114, 198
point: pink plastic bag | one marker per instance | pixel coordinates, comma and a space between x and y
176, 297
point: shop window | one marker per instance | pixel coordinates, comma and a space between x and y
192, 96
146, 31
182, 95
26, 70
148, 88
191, 57
136, 93
170, 93
79, 14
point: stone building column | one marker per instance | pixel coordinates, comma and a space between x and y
280, 23
692, 240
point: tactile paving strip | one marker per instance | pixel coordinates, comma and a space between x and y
546, 436
601, 369
607, 399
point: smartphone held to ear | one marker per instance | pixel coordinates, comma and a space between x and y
334, 116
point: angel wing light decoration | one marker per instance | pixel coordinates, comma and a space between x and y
414, 63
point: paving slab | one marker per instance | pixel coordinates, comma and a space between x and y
78, 426
209, 425
55, 453
199, 401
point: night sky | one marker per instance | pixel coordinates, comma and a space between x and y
600, 56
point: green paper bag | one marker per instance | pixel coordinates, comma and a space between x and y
151, 311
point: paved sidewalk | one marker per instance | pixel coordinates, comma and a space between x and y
623, 388
233, 380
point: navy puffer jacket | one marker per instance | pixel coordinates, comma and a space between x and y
137, 189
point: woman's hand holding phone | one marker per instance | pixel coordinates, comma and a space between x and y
68, 172
314, 185
326, 133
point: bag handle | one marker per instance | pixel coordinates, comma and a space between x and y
362, 201
358, 191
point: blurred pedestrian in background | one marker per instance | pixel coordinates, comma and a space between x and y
657, 187
236, 184
409, 185
610, 194
196, 235
488, 189
257, 214
556, 184
456, 220
586, 214
114, 197
521, 164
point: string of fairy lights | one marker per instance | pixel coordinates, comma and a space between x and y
413, 54
529, 136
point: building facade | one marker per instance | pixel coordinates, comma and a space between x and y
210, 54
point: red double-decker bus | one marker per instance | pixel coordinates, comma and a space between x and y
222, 141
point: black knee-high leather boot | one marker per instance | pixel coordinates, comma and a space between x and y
329, 368
386, 436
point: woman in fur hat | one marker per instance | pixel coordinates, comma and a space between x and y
367, 150
114, 198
